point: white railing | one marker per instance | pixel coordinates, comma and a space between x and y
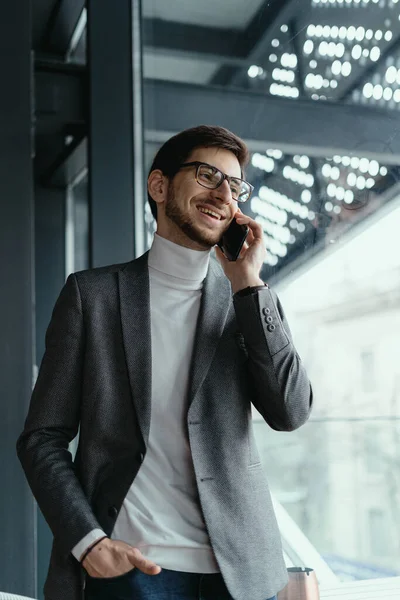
370, 589
5, 596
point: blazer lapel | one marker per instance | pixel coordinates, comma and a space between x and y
214, 309
134, 290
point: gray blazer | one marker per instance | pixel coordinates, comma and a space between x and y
96, 376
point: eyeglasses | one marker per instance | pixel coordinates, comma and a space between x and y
210, 177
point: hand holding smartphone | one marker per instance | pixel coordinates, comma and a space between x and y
233, 239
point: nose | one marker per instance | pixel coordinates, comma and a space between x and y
223, 193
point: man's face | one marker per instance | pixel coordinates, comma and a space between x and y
181, 219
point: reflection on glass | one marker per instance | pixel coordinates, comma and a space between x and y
338, 477
81, 224
300, 200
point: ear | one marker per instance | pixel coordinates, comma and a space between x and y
157, 185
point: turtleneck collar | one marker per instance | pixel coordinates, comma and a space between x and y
177, 261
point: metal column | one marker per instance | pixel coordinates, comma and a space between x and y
17, 507
116, 186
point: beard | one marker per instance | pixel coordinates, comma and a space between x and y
188, 226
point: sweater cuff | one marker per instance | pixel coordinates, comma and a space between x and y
87, 541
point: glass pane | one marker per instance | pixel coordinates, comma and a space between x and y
338, 477
330, 220
81, 224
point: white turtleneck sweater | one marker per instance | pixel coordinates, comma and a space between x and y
161, 513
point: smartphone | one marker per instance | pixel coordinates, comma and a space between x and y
233, 239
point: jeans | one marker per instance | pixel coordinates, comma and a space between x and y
167, 585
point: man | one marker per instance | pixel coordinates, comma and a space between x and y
158, 361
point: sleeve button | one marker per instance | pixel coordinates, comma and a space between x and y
266, 311
271, 327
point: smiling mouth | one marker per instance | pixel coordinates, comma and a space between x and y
210, 213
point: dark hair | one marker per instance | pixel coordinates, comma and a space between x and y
177, 149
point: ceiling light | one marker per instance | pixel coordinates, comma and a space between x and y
396, 96
351, 33
369, 34
373, 168
331, 190
273, 58
388, 36
253, 71
275, 43
356, 52
346, 69
391, 74
368, 90
308, 47
361, 182
340, 192
351, 179
335, 173
378, 34
326, 170
348, 196
323, 48
332, 49
340, 50
306, 196
304, 162
387, 94
383, 171
360, 34
336, 67
375, 53
262, 162
378, 92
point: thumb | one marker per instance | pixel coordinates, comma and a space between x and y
145, 565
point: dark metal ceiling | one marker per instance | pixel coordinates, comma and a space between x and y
344, 51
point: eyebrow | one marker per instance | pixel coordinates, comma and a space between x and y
218, 169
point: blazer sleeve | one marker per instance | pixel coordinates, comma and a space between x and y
282, 391
53, 422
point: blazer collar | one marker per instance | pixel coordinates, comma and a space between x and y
134, 290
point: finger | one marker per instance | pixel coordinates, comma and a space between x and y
250, 237
254, 227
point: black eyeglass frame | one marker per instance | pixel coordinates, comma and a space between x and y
228, 178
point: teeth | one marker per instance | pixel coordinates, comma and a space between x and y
210, 212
